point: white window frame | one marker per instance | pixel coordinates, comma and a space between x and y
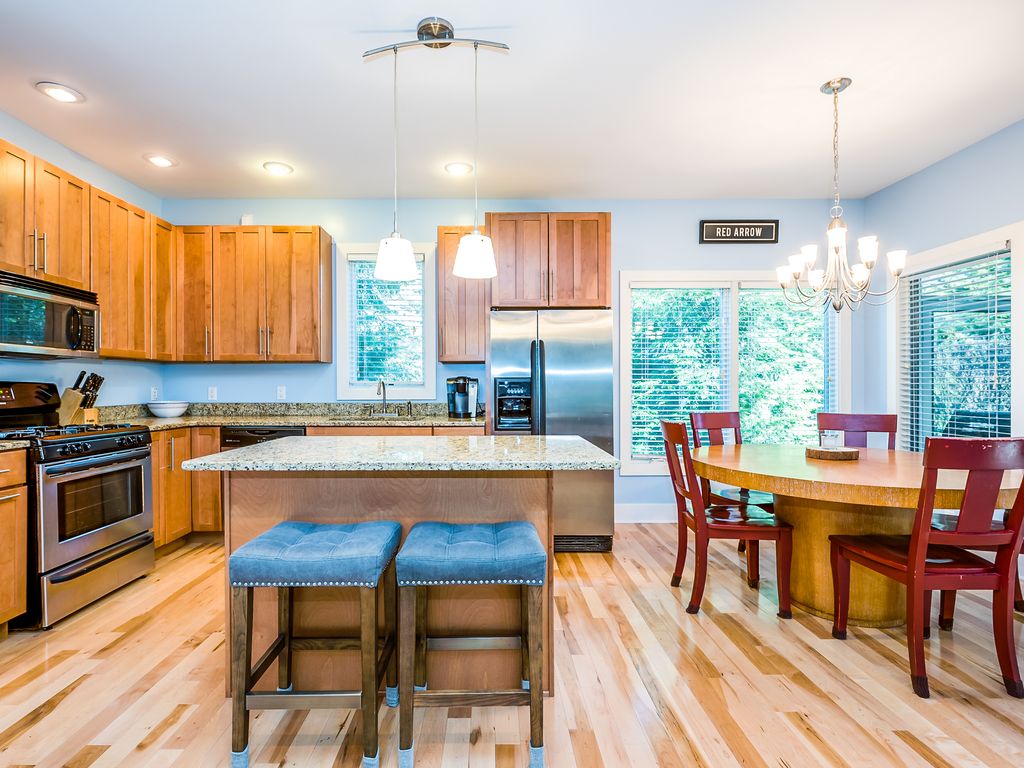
951, 253
734, 280
426, 391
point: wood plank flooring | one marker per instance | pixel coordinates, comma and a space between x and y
137, 680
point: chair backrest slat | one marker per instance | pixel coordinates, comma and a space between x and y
689, 498
856, 427
715, 423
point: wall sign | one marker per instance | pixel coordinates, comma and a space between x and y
739, 231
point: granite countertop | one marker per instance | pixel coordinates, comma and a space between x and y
410, 453
13, 445
310, 420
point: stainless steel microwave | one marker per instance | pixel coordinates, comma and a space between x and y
42, 319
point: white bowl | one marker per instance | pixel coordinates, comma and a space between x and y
165, 409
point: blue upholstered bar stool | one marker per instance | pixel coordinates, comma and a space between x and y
438, 554
310, 555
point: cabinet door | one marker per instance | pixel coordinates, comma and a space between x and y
579, 259
521, 251
295, 283
194, 293
13, 551
161, 459
62, 222
462, 305
239, 293
207, 514
163, 277
178, 489
120, 266
17, 207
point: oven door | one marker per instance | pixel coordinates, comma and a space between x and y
88, 504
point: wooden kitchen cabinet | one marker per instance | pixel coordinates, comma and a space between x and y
120, 275
393, 430
194, 293
462, 305
239, 288
172, 486
13, 537
298, 287
460, 431
62, 224
520, 243
207, 514
17, 211
163, 277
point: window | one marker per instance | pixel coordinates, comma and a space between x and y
955, 351
384, 329
721, 345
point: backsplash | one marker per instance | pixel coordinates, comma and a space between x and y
345, 410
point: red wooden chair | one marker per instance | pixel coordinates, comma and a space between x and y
930, 559
856, 426
720, 522
715, 423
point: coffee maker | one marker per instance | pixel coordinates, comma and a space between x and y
462, 397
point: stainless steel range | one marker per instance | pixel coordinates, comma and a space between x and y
91, 503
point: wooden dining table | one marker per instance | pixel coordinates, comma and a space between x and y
877, 493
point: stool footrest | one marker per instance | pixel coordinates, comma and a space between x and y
509, 643
304, 700
510, 698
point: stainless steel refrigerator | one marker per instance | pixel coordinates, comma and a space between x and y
551, 374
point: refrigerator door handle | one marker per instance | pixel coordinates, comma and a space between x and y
538, 425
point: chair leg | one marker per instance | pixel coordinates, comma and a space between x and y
840, 592
1018, 598
406, 672
241, 667
700, 574
1006, 651
753, 563
741, 546
285, 606
677, 574
926, 614
535, 629
915, 639
421, 638
947, 604
783, 565
368, 640
391, 632
524, 639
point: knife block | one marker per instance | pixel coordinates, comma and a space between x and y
71, 411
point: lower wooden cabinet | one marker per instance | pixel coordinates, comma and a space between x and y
172, 486
13, 538
207, 514
339, 431
459, 431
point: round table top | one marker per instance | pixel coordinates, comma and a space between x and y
879, 478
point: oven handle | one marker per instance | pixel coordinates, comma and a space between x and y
86, 467
105, 558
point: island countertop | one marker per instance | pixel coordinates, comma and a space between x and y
391, 453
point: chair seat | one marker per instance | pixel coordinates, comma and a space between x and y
745, 496
479, 553
894, 551
721, 515
297, 554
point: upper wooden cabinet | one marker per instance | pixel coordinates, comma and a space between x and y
239, 289
18, 249
120, 275
298, 288
194, 293
163, 277
62, 224
462, 305
551, 259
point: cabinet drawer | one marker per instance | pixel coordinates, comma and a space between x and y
12, 468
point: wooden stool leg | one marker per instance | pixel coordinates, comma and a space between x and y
535, 630
840, 592
947, 606
406, 672
421, 638
285, 605
241, 665
926, 619
391, 632
783, 565
368, 655
677, 573
700, 573
753, 563
524, 636
915, 639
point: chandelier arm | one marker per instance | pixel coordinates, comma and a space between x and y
435, 41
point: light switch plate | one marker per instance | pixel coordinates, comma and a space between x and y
154, 393
282, 392
211, 393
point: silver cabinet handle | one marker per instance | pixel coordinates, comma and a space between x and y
44, 252
261, 341
269, 331
35, 249
441, 345
172, 454
206, 341
9, 496
4, 471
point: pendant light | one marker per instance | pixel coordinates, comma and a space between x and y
475, 257
395, 258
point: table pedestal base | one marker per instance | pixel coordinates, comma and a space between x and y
875, 601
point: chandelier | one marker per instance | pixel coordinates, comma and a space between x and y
839, 283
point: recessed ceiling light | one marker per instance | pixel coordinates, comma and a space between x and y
60, 93
275, 168
160, 161
459, 169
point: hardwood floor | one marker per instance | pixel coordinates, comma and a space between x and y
137, 680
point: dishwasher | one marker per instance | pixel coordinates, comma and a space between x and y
239, 437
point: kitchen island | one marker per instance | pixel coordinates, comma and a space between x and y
407, 479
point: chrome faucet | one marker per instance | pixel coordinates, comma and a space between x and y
382, 390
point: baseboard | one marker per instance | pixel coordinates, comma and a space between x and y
645, 513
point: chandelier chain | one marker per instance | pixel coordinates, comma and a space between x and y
395, 109
476, 136
837, 209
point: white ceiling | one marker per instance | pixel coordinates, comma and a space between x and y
598, 98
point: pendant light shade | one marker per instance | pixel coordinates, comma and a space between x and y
395, 259
475, 258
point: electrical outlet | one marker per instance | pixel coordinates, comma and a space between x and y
282, 392
211, 393
154, 393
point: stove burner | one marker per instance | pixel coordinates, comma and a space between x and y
70, 430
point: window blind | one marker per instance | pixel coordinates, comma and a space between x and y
386, 326
955, 351
830, 401
679, 360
